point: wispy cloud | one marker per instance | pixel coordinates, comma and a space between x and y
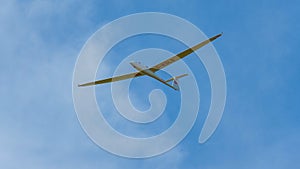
40, 41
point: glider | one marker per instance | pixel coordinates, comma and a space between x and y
143, 70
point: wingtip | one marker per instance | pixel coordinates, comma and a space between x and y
82, 85
215, 37
220, 34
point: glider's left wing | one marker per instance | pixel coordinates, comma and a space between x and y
113, 79
182, 54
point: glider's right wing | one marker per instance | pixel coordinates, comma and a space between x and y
182, 54
113, 79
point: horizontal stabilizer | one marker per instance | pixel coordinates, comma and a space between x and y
176, 77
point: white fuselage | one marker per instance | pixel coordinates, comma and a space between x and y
145, 70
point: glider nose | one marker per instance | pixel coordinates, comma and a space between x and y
132, 63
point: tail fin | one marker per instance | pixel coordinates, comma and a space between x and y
175, 84
175, 81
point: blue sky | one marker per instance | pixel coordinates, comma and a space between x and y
40, 42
